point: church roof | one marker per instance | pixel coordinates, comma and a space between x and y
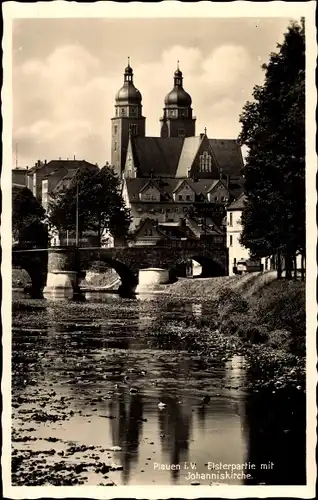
228, 156
157, 155
172, 156
189, 151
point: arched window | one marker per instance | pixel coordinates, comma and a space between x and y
205, 162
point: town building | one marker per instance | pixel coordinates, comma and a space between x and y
19, 176
237, 252
179, 179
44, 176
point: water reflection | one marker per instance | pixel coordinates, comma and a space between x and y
126, 430
94, 353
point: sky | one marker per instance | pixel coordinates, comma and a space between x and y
66, 73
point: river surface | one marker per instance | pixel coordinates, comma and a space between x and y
87, 383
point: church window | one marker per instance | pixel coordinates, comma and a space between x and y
115, 146
122, 111
134, 129
115, 129
205, 162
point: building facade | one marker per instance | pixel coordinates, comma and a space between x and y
178, 178
237, 252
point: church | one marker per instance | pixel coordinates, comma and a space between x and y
179, 184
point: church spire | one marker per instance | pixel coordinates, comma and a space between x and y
177, 120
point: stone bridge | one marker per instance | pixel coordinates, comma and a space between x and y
73, 262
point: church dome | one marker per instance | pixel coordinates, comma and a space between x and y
178, 97
129, 93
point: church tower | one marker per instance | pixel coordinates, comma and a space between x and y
128, 119
177, 120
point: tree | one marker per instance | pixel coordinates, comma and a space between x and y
28, 219
101, 206
273, 129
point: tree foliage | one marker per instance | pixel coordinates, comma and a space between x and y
100, 204
273, 129
28, 219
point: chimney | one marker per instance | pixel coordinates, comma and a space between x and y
201, 136
45, 162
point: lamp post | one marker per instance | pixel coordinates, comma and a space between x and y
77, 211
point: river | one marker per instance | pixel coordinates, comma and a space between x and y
87, 382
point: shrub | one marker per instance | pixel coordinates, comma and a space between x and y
231, 302
256, 334
278, 339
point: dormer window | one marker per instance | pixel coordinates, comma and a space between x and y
205, 162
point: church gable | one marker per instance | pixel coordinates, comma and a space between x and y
205, 163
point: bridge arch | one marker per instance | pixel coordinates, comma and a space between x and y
210, 266
35, 264
128, 277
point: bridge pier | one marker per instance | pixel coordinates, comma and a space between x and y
149, 279
63, 274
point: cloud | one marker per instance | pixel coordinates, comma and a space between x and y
225, 66
63, 103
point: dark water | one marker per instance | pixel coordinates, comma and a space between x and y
70, 389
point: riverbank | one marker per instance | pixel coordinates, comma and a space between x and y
255, 315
